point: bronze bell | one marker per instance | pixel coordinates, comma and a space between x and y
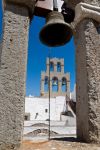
56, 32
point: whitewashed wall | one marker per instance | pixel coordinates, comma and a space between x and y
35, 105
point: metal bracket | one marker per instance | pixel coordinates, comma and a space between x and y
55, 5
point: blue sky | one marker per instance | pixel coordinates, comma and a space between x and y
37, 54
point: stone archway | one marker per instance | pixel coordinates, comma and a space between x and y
13, 61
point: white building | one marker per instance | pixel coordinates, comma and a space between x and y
62, 118
38, 108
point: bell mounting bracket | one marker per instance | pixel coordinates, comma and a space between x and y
43, 7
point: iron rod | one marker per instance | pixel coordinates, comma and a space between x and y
55, 5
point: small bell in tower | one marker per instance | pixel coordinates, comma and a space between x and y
55, 82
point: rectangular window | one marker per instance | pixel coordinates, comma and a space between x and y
27, 117
46, 110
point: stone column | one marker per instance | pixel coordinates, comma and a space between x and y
59, 86
62, 68
50, 87
87, 40
13, 59
42, 87
68, 88
55, 67
62, 65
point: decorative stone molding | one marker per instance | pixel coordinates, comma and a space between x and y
84, 10
27, 3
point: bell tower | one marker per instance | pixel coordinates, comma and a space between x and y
59, 81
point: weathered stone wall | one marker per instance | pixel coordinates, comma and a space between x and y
87, 40
13, 58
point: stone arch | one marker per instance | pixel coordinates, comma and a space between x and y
58, 66
64, 84
51, 66
54, 84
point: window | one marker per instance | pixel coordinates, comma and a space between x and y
36, 115
46, 110
46, 86
51, 66
27, 117
55, 84
64, 85
58, 67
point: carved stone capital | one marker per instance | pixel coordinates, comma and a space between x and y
72, 3
83, 11
27, 3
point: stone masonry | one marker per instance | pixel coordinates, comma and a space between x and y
87, 41
13, 60
59, 76
88, 90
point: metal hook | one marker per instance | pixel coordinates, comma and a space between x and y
55, 6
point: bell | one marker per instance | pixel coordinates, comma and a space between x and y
56, 32
63, 83
55, 82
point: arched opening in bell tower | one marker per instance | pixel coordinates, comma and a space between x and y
64, 84
55, 84
58, 67
51, 66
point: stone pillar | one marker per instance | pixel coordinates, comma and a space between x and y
62, 66
51, 87
55, 67
59, 86
68, 88
42, 87
13, 59
87, 40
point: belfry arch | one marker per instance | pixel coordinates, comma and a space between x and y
55, 87
64, 84
16, 19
